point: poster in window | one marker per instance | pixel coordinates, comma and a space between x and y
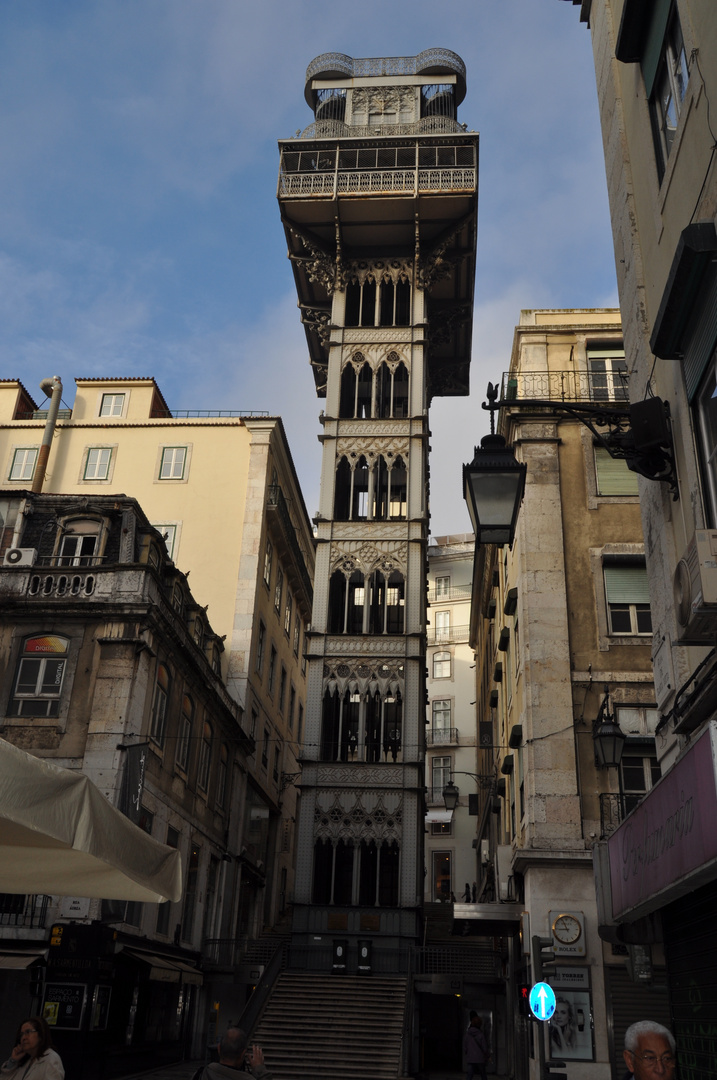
64, 1005
570, 1035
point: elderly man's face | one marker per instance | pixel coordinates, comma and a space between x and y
653, 1058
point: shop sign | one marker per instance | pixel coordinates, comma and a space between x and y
671, 834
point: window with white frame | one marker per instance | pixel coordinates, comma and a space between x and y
441, 665
268, 555
639, 772
173, 462
40, 675
278, 588
638, 720
443, 625
668, 90
78, 543
628, 599
112, 404
169, 535
612, 475
287, 612
440, 720
97, 464
23, 464
443, 587
608, 374
440, 775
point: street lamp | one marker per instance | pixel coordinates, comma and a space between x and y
608, 738
451, 793
493, 485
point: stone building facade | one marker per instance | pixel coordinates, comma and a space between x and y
110, 666
378, 200
558, 620
656, 73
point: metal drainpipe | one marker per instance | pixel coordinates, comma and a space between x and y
48, 386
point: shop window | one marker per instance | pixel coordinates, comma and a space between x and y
628, 599
184, 736
23, 464
40, 675
441, 665
205, 757
158, 722
612, 475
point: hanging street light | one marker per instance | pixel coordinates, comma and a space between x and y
493, 485
608, 738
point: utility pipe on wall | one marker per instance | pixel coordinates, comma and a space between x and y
49, 387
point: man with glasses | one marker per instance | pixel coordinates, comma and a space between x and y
649, 1051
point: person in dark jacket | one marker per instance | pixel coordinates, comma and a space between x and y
233, 1055
649, 1052
475, 1048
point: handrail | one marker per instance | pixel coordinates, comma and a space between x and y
262, 991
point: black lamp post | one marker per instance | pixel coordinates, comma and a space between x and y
493, 485
450, 795
608, 738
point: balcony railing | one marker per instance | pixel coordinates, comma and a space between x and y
441, 736
66, 582
567, 386
445, 635
20, 910
277, 502
455, 592
612, 812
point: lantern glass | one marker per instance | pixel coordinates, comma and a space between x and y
609, 743
493, 486
450, 795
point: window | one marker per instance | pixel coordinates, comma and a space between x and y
172, 464
303, 655
287, 612
112, 405
608, 374
637, 720
169, 535
23, 463
292, 702
441, 665
265, 749
97, 465
639, 771
706, 408
205, 757
272, 669
190, 894
443, 625
282, 688
300, 724
159, 706
669, 88
278, 588
185, 732
40, 674
443, 587
297, 632
254, 721
612, 475
440, 775
77, 548
275, 772
268, 555
260, 646
164, 909
628, 599
441, 721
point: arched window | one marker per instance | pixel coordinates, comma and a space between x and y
352, 311
395, 303
205, 757
441, 665
158, 722
400, 391
397, 489
185, 732
336, 621
342, 494
40, 675
364, 393
395, 603
340, 726
359, 491
347, 400
356, 603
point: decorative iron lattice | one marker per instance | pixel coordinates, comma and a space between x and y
569, 386
337, 129
372, 67
358, 816
378, 182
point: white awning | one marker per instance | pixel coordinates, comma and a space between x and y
436, 816
18, 961
60, 836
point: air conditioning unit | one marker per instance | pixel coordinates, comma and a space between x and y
695, 589
20, 557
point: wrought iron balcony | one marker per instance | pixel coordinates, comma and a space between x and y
296, 566
567, 386
612, 812
455, 592
441, 737
17, 909
445, 635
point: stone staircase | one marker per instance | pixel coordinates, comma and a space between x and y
333, 1027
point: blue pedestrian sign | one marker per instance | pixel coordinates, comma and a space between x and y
542, 1001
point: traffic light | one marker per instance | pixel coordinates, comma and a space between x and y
524, 1000
548, 1073
543, 953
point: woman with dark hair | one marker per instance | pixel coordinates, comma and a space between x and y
33, 1057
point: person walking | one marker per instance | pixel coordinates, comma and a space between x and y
475, 1048
649, 1051
233, 1056
33, 1057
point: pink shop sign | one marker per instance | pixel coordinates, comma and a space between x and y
671, 834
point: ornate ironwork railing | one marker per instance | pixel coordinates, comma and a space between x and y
441, 736
454, 592
568, 386
388, 181
338, 129
612, 812
350, 68
440, 635
20, 910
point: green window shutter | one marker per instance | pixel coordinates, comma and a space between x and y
626, 585
654, 43
613, 475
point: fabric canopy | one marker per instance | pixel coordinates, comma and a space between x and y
60, 836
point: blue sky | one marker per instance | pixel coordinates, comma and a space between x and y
139, 229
